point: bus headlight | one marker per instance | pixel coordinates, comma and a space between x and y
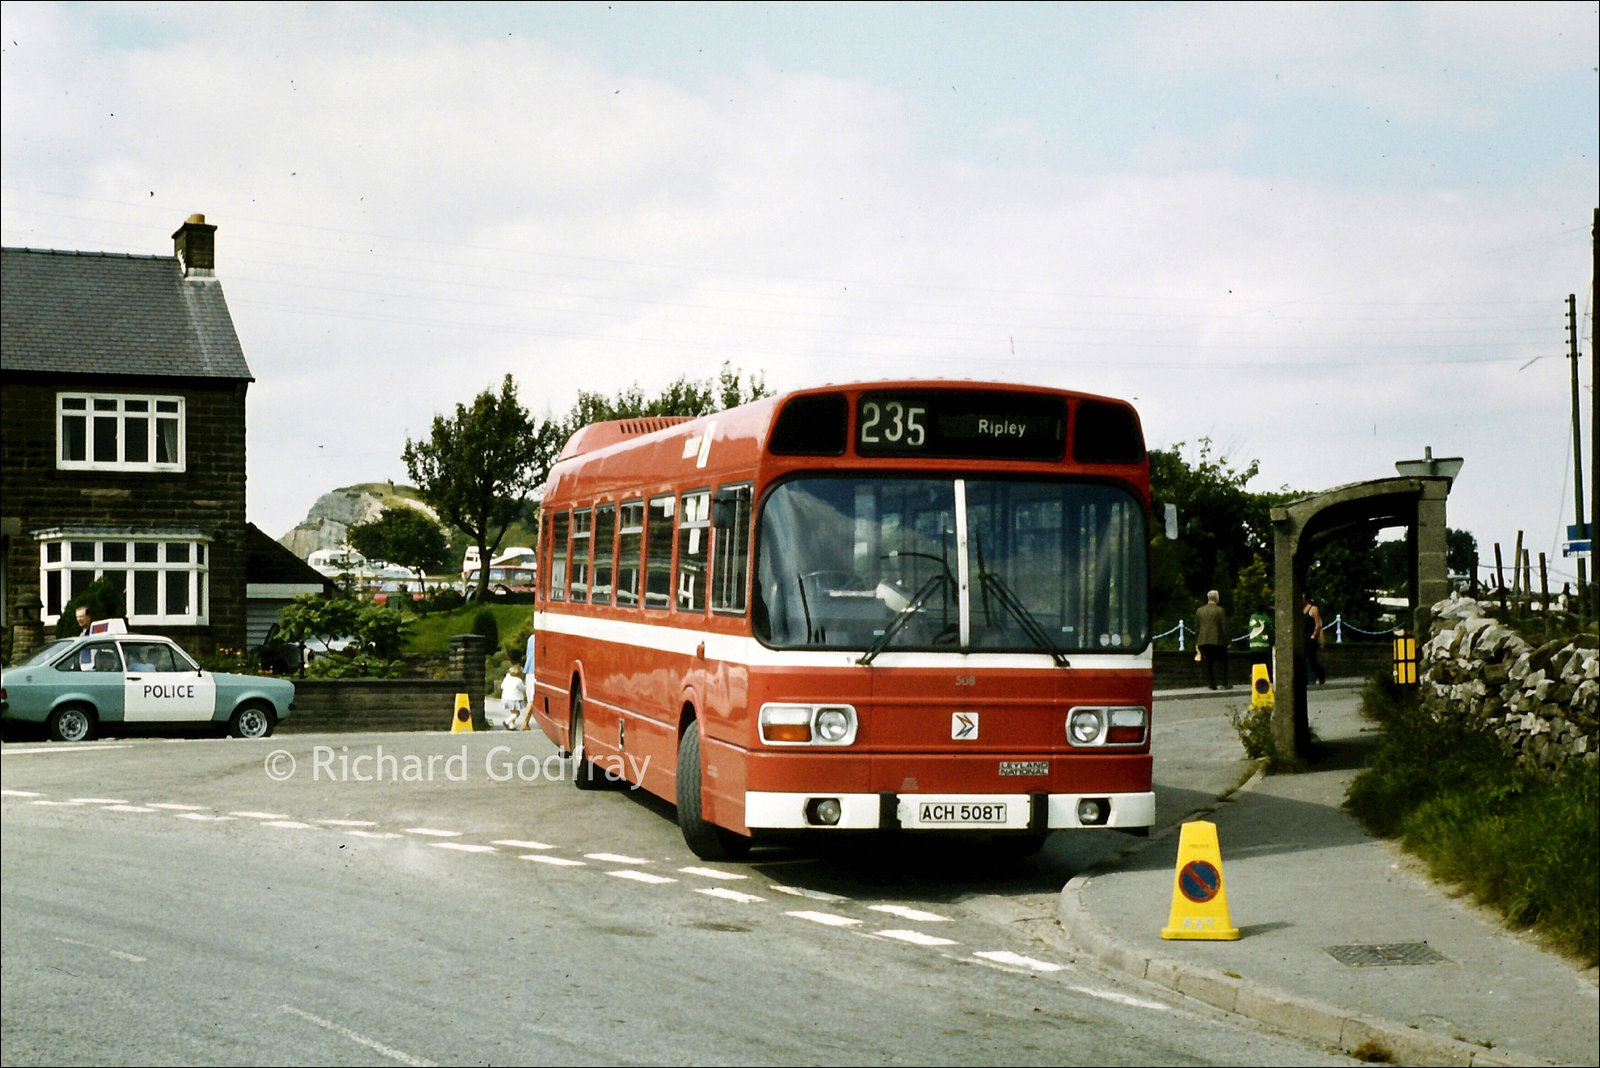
807, 724
1095, 725
834, 724
1085, 726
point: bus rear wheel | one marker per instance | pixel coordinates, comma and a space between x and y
705, 839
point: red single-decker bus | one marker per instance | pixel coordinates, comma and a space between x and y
910, 605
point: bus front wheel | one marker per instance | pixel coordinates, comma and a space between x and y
585, 776
705, 839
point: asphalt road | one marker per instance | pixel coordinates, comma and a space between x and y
435, 898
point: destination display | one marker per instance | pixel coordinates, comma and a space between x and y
978, 425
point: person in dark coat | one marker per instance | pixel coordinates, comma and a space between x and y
1211, 638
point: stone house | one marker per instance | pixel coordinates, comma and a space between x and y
122, 439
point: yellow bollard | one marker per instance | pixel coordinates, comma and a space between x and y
463, 716
1199, 898
1260, 687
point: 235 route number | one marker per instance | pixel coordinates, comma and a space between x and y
893, 424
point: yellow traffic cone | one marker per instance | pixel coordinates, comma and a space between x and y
1260, 687
1199, 898
463, 717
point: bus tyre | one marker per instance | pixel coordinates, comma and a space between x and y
585, 776
705, 839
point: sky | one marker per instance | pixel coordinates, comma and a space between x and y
1324, 237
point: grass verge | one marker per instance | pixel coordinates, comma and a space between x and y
1521, 843
432, 633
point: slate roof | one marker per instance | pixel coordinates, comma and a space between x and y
104, 313
267, 561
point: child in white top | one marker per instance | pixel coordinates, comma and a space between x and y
514, 699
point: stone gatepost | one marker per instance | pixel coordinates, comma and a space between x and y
468, 654
28, 633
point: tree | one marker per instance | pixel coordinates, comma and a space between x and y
403, 536
1222, 528
684, 396
477, 468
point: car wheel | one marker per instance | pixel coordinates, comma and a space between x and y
74, 723
705, 839
585, 776
251, 721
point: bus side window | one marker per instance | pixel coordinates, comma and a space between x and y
558, 556
604, 527
658, 552
630, 547
730, 562
694, 546
579, 584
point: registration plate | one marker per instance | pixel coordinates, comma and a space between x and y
961, 812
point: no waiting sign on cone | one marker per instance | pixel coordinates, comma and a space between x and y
1199, 898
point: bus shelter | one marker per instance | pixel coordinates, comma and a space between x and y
1301, 528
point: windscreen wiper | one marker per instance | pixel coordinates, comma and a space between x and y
935, 582
996, 586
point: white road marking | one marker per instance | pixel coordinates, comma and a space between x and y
464, 847
358, 1038
915, 915
202, 816
826, 918
1122, 999
640, 876
117, 953
713, 873
289, 825
128, 808
728, 895
249, 815
560, 862
176, 808
515, 843
99, 801
348, 823
1016, 960
78, 748
372, 834
59, 804
916, 938
800, 891
433, 831
19, 793
616, 858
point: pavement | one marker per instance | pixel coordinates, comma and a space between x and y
1433, 979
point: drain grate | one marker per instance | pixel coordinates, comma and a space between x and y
1386, 954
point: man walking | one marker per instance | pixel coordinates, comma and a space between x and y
1211, 637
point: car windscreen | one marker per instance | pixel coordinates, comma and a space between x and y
46, 653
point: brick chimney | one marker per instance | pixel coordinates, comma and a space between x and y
196, 246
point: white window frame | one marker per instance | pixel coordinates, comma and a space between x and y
167, 567
117, 411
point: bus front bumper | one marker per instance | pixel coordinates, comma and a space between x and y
765, 810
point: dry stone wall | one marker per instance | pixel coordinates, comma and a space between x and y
1539, 701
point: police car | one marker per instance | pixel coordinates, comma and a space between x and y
75, 686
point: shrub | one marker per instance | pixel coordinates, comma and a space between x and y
486, 625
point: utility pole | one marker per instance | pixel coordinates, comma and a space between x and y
1577, 444
1594, 409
